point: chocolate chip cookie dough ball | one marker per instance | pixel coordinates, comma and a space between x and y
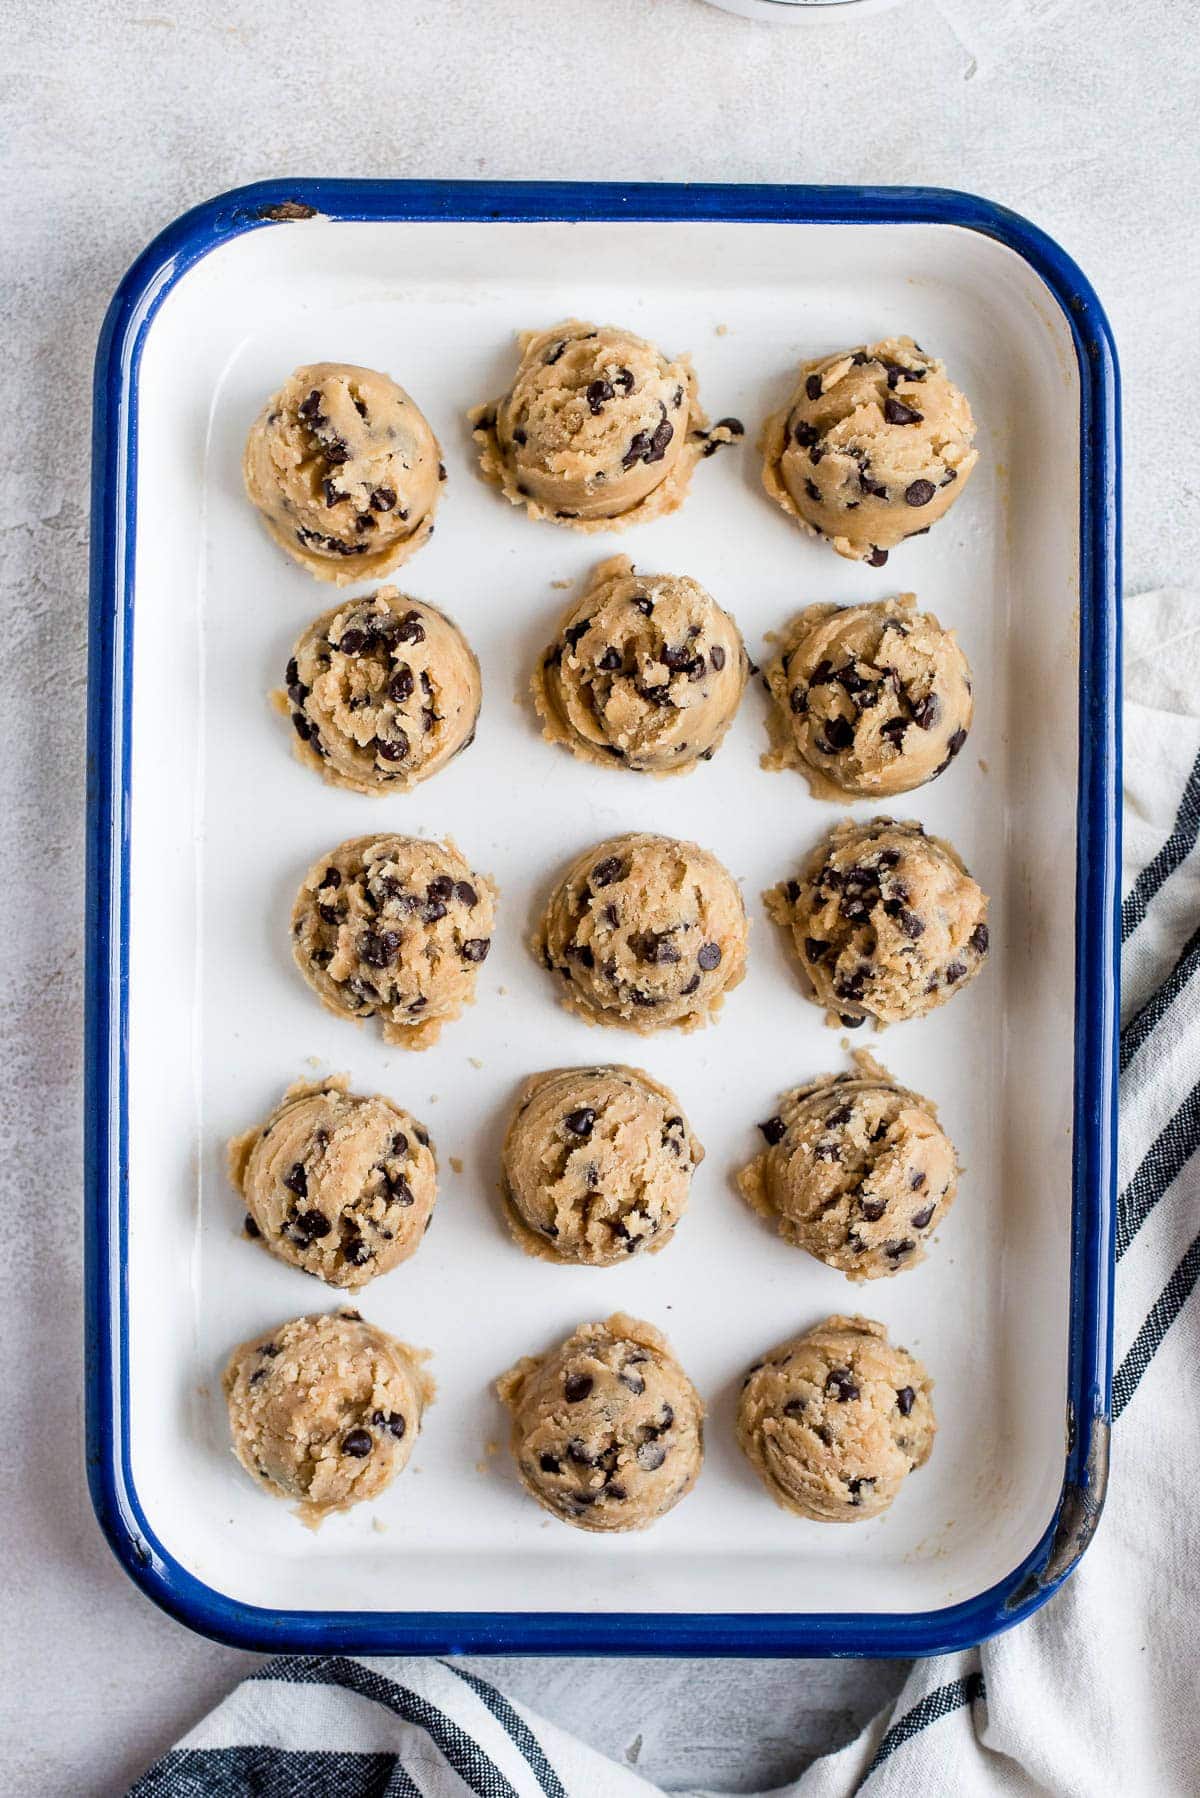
645, 932
871, 700
886, 922
599, 429
597, 1165
337, 1183
875, 445
857, 1170
835, 1420
395, 928
646, 673
381, 692
607, 1429
345, 470
325, 1410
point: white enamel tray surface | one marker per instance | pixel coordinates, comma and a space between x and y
225, 822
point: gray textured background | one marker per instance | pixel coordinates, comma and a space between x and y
113, 120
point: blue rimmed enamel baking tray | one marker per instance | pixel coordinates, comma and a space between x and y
200, 825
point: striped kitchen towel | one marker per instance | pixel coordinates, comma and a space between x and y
1095, 1693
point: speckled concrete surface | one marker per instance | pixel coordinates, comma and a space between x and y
116, 119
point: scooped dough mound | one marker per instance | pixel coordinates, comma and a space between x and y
834, 1421
874, 446
856, 1170
645, 932
597, 1165
607, 1429
871, 700
886, 922
345, 470
646, 672
394, 927
599, 429
336, 1183
325, 1410
382, 692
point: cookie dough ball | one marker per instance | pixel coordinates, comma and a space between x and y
834, 1420
597, 1164
599, 429
857, 1170
345, 471
871, 700
325, 1410
645, 932
336, 1183
395, 928
886, 922
645, 673
875, 445
607, 1429
382, 692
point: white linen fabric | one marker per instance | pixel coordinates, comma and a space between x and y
1095, 1693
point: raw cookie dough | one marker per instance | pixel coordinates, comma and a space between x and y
646, 672
338, 1184
645, 932
597, 1164
607, 1429
872, 700
886, 922
345, 470
325, 1410
382, 692
857, 1171
834, 1420
394, 927
599, 429
873, 447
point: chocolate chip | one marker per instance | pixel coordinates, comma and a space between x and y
871, 1209
838, 734
624, 379
634, 1381
910, 924
639, 447
297, 1180
897, 413
806, 435
336, 452
475, 948
357, 1443
837, 1118
955, 744
927, 711
954, 971
877, 558
399, 1189
922, 1217
812, 387
813, 492
410, 629
905, 1400
400, 686
351, 642
330, 878
650, 1456
855, 1488
979, 939
896, 1251
311, 1225
391, 1421
556, 351
951, 474
663, 433
310, 409
839, 1385
392, 749
605, 872
597, 393
693, 983
378, 947
581, 1122
549, 1463
815, 949
251, 1228
576, 1386
919, 493
774, 1130
709, 956
894, 730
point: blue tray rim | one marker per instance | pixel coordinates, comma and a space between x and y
116, 1502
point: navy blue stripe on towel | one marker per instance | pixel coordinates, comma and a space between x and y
938, 1703
1175, 850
